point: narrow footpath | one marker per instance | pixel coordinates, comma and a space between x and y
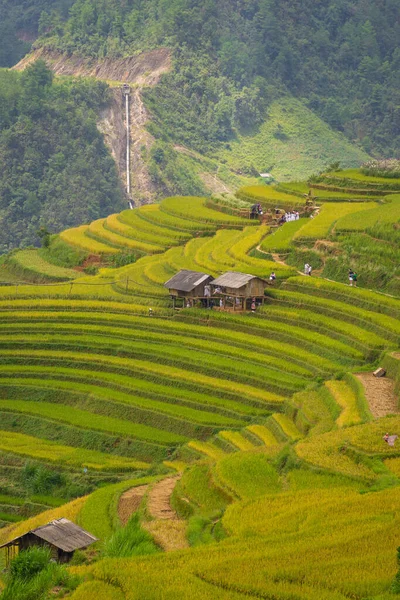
167, 529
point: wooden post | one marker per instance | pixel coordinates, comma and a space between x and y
71, 286
127, 284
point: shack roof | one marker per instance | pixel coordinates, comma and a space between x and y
62, 534
234, 280
186, 281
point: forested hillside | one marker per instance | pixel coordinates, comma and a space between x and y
20, 24
233, 58
55, 167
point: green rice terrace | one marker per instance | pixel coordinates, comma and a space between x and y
242, 450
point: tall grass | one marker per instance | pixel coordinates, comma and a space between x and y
131, 540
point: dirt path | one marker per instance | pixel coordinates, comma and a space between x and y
166, 528
380, 394
215, 184
277, 259
130, 502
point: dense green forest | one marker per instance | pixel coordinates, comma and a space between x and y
20, 23
341, 57
56, 170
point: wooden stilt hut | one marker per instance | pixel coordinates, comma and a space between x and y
61, 535
239, 290
188, 285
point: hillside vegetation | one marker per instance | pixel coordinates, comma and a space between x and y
56, 170
231, 59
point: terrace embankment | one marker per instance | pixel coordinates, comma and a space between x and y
139, 71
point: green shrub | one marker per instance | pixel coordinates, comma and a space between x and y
29, 563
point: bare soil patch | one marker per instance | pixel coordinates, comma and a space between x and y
129, 503
93, 260
143, 69
380, 394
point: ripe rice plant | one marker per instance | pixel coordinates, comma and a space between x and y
237, 439
77, 237
264, 434
366, 299
378, 323
230, 388
99, 232
97, 590
280, 239
114, 224
29, 265
347, 400
348, 332
142, 392
328, 451
323, 195
268, 196
208, 449
133, 219
388, 213
64, 309
198, 488
170, 354
90, 420
247, 475
36, 448
358, 176
320, 226
153, 214
318, 410
288, 427
195, 208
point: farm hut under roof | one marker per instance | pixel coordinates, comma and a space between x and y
240, 284
61, 535
188, 284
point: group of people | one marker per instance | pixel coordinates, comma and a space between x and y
288, 216
292, 216
353, 278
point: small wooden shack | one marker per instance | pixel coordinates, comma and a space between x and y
188, 284
240, 284
239, 289
62, 537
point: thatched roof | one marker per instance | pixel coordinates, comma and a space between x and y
62, 534
233, 280
186, 281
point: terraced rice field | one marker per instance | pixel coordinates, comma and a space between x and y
85, 363
259, 411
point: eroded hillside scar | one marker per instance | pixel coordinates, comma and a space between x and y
138, 71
